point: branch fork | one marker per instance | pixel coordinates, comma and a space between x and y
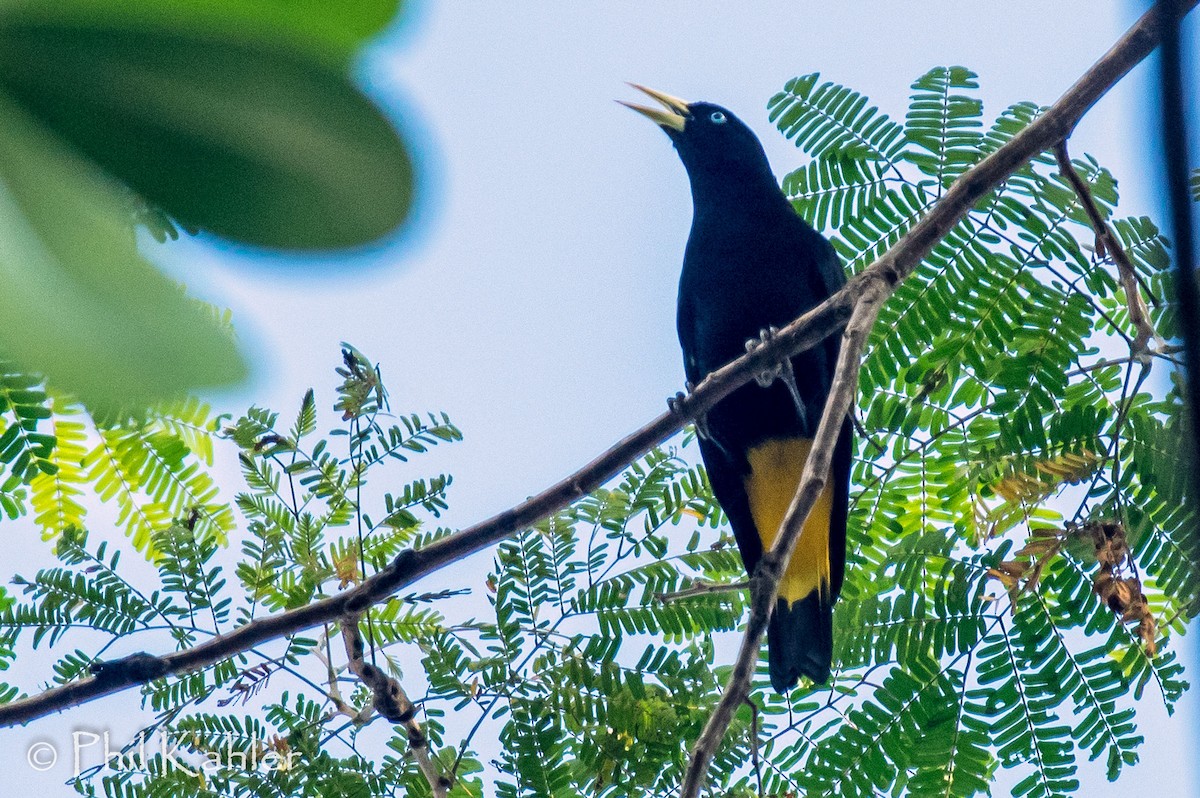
393, 704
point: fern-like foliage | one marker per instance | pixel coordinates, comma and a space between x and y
306, 538
153, 465
1001, 398
1018, 566
25, 445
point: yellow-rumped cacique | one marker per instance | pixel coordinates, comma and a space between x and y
752, 265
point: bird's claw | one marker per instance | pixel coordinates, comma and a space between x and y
782, 371
675, 405
766, 377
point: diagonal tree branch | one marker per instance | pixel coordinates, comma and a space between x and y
802, 334
410, 565
880, 281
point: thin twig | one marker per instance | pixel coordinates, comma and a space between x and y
325, 656
754, 742
702, 588
802, 334
865, 435
1108, 243
1117, 361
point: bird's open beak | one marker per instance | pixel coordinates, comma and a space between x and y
676, 115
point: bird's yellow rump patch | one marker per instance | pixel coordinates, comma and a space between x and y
775, 470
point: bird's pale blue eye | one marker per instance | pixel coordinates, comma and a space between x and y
717, 118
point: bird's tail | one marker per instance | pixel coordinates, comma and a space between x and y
800, 641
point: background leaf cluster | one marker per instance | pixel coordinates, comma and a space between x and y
1003, 403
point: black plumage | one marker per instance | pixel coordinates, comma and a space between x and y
752, 264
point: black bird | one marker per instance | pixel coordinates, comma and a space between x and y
752, 265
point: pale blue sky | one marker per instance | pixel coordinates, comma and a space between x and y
534, 299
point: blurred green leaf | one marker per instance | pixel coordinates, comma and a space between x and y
258, 144
79, 304
332, 30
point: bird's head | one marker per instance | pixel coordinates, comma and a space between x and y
715, 146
